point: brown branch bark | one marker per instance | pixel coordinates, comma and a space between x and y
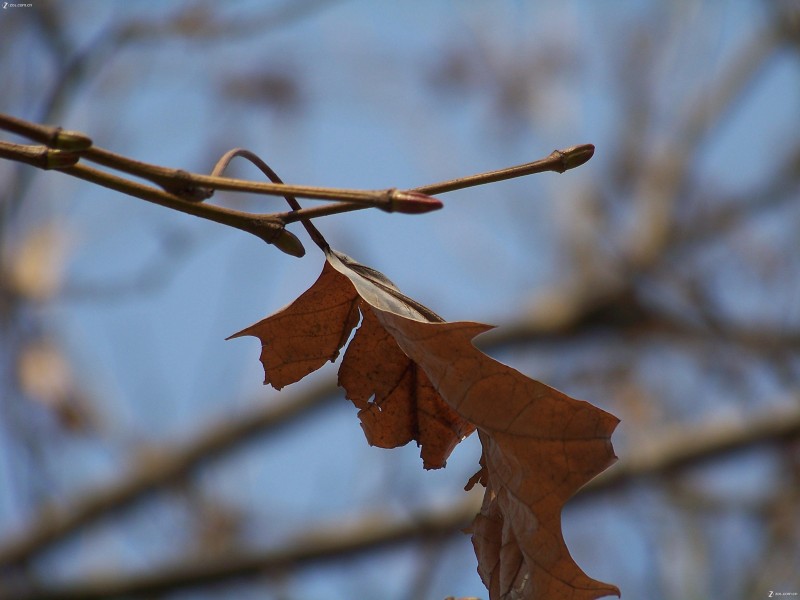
195, 186
185, 192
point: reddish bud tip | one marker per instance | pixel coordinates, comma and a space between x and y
412, 203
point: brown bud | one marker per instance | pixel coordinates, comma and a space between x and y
74, 141
287, 242
573, 157
59, 159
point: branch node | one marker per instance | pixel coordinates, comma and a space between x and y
59, 159
73, 141
181, 184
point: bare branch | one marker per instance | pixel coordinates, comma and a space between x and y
55, 524
184, 191
330, 543
558, 161
191, 184
621, 312
672, 452
217, 440
689, 446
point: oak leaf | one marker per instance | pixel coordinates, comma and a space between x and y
429, 383
312, 330
539, 447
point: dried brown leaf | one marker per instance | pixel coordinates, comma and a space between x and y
414, 376
539, 447
397, 402
300, 338
406, 406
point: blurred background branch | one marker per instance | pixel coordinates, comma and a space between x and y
662, 457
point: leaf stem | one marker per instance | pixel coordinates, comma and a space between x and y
314, 233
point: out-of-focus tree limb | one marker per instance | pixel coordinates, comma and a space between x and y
660, 181
620, 315
688, 446
779, 188
54, 525
672, 452
329, 543
171, 466
621, 312
192, 22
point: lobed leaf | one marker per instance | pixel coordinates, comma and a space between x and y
539, 447
416, 377
396, 400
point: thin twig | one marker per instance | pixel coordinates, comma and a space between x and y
265, 227
191, 186
198, 186
558, 161
185, 192
41, 157
388, 199
53, 137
